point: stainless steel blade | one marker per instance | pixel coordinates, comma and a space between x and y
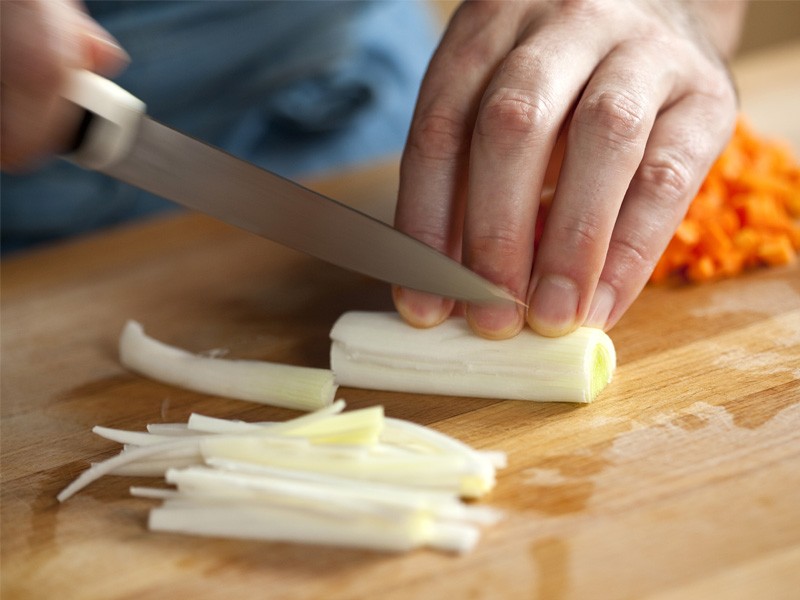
179, 168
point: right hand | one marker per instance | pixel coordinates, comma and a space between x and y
41, 41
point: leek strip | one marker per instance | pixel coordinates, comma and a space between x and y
154, 467
380, 351
106, 467
347, 503
357, 427
154, 493
280, 524
204, 424
220, 486
262, 448
439, 441
483, 465
139, 438
329, 489
433, 471
164, 452
497, 458
321, 478
289, 386
318, 415
392, 487
170, 429
361, 426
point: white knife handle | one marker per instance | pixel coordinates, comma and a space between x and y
111, 121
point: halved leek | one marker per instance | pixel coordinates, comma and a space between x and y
379, 351
290, 386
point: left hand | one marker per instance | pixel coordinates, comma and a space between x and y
642, 99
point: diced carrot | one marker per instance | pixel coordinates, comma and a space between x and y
746, 213
731, 264
688, 232
777, 251
793, 202
729, 221
762, 212
701, 270
715, 242
746, 241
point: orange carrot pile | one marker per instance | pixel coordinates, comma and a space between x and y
746, 214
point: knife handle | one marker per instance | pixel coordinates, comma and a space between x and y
110, 122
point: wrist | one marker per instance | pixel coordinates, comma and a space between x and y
721, 21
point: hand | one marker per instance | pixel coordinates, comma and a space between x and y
640, 96
41, 41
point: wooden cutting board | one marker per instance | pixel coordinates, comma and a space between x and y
681, 481
684, 475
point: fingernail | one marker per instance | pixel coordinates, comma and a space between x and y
496, 322
553, 305
420, 309
112, 45
602, 304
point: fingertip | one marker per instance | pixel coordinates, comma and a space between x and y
547, 330
602, 305
106, 55
553, 306
496, 322
420, 309
101, 50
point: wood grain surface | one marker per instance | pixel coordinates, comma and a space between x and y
681, 481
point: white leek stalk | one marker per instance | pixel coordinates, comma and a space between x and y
289, 386
379, 351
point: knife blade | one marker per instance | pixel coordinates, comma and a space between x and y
118, 139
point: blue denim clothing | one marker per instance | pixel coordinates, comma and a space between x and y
298, 87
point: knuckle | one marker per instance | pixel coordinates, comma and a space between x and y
438, 134
618, 116
497, 247
719, 88
581, 235
634, 253
515, 117
466, 55
428, 234
670, 173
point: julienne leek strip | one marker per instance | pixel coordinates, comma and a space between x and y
289, 386
379, 351
351, 479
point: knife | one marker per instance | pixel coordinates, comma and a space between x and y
118, 139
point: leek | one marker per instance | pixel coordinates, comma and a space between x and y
289, 386
379, 351
351, 478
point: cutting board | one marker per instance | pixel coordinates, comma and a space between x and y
684, 474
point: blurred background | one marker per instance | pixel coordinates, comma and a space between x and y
770, 22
